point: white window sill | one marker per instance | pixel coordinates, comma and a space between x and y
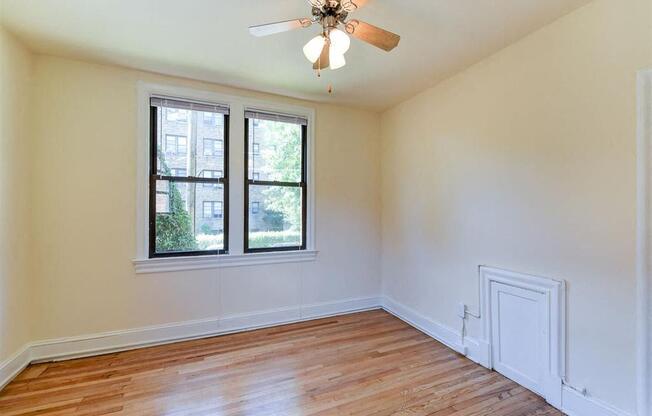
176, 264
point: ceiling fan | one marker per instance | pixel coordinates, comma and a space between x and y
328, 48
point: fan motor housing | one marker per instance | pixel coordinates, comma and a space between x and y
330, 16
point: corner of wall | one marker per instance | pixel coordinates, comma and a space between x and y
16, 144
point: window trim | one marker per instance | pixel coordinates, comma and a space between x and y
249, 182
236, 256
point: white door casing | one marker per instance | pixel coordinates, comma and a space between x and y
525, 311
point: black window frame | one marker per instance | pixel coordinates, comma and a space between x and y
303, 184
154, 177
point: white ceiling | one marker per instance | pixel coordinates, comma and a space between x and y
208, 40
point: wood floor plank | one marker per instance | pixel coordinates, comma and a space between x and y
366, 364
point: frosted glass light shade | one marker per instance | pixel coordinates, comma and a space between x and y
340, 41
313, 48
336, 59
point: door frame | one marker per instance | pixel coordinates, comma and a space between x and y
555, 294
644, 246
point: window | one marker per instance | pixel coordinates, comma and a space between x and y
175, 230
178, 172
213, 147
163, 200
212, 209
176, 114
176, 145
186, 219
283, 192
210, 119
211, 174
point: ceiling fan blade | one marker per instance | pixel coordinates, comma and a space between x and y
353, 5
324, 59
317, 3
373, 35
279, 27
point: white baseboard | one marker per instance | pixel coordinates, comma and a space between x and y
472, 348
107, 342
573, 403
13, 365
576, 404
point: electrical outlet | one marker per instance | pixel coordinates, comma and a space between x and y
461, 310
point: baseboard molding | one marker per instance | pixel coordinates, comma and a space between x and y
576, 404
114, 341
472, 348
13, 365
573, 403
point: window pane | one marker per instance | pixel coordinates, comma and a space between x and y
186, 143
176, 115
274, 216
213, 147
274, 151
189, 217
210, 118
162, 197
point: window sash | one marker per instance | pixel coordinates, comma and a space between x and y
155, 176
249, 115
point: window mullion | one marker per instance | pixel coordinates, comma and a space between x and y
236, 178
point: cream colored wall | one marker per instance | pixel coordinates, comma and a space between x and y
527, 161
84, 167
15, 300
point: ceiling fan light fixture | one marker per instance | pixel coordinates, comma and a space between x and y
336, 59
340, 41
313, 48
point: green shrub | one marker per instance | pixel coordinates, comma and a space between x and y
174, 229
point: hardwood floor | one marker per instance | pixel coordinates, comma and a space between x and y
367, 363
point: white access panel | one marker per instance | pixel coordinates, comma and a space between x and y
519, 335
